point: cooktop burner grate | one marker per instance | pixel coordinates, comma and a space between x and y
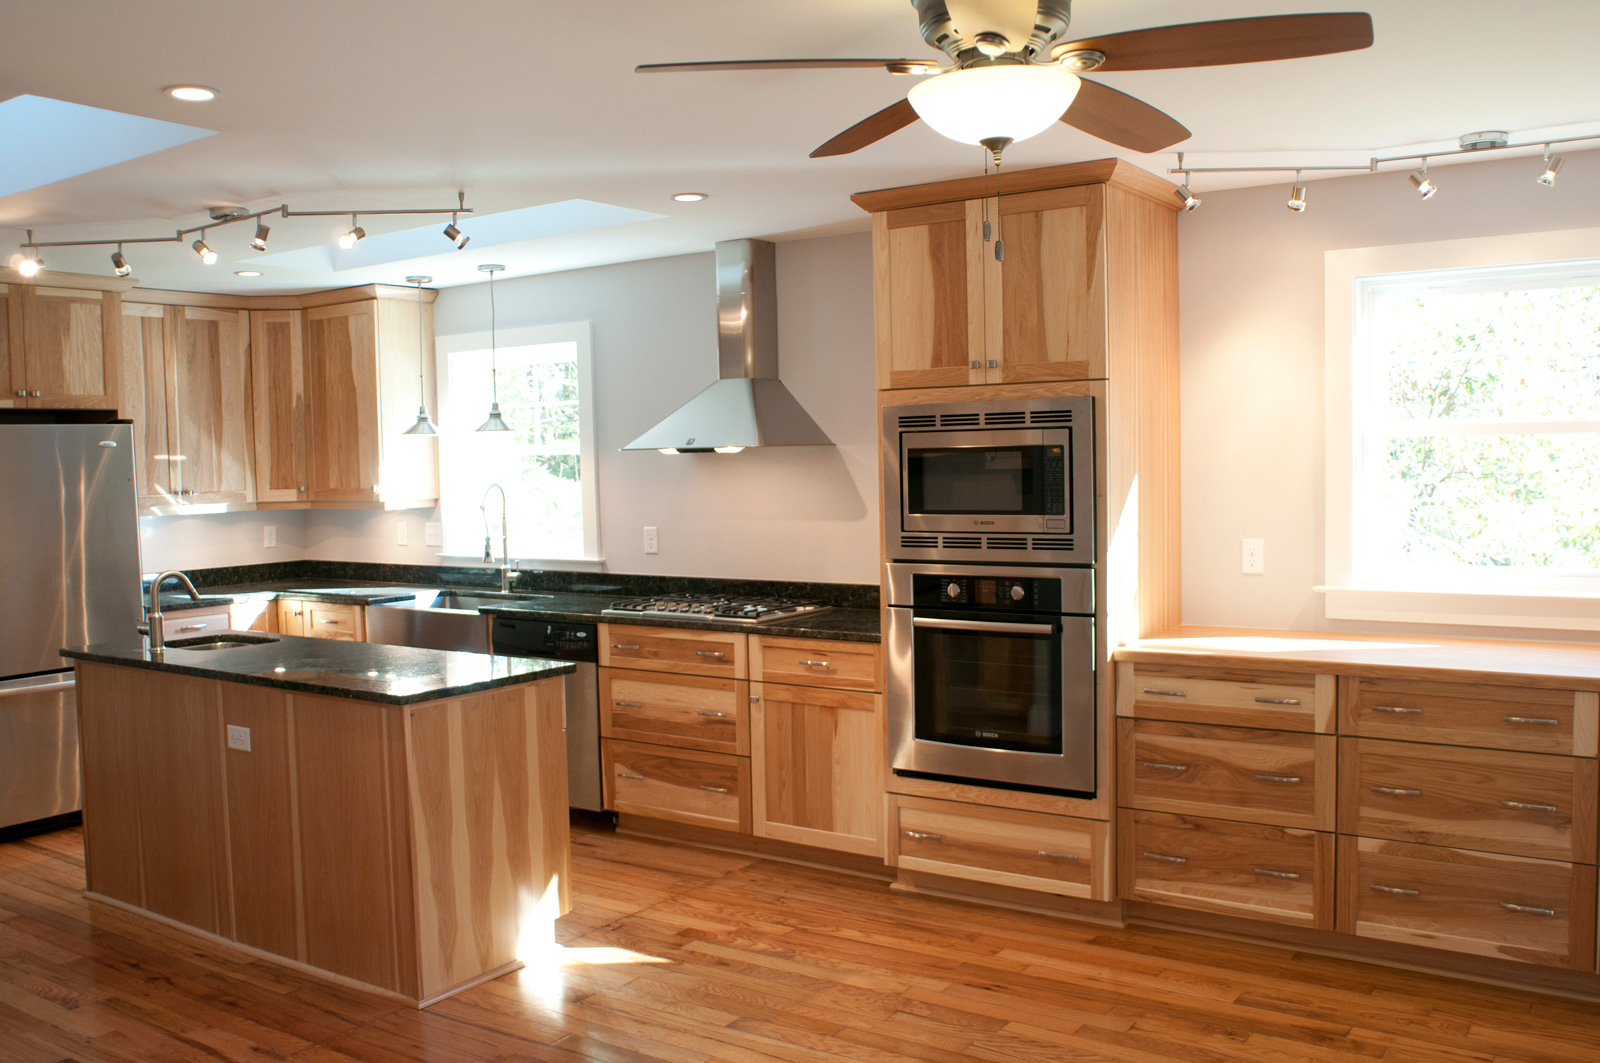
715, 607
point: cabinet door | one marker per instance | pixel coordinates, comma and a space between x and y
341, 352
1051, 302
818, 767
69, 355
929, 290
291, 616
208, 402
144, 400
277, 370
12, 395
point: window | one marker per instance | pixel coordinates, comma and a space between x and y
546, 463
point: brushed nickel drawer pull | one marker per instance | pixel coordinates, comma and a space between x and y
628, 704
714, 789
1275, 874
628, 775
1397, 709
1529, 909
194, 627
624, 646
1168, 859
924, 836
1529, 806
1167, 693
1057, 856
1396, 890
754, 698
1165, 767
1279, 701
974, 364
1278, 778
815, 664
332, 622
1395, 791
1546, 721
708, 712
709, 653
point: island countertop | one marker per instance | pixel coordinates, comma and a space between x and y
390, 675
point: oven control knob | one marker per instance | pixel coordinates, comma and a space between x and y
1017, 593
953, 591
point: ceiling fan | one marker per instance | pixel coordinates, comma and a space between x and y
1014, 73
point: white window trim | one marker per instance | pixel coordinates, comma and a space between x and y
581, 333
1562, 610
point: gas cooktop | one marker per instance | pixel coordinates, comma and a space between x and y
715, 607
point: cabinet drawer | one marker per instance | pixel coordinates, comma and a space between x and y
1528, 804
343, 622
706, 789
1028, 850
815, 662
1461, 714
188, 624
1275, 777
1283, 701
694, 712
655, 649
1243, 869
1539, 911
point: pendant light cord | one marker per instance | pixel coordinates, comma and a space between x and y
494, 379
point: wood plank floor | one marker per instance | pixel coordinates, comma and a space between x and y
682, 956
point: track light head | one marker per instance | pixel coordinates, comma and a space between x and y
203, 249
31, 265
259, 240
455, 234
1423, 183
1187, 197
119, 264
349, 239
1297, 198
1552, 166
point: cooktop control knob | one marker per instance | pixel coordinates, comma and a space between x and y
1017, 593
953, 591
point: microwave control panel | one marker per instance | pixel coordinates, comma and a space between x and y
1024, 594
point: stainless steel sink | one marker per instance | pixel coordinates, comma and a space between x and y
467, 602
438, 620
222, 640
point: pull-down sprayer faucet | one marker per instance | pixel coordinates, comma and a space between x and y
505, 536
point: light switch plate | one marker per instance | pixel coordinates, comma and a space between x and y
269, 536
239, 738
402, 534
433, 534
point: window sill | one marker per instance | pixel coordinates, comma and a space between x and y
1548, 610
529, 564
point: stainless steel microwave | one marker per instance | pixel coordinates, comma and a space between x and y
999, 480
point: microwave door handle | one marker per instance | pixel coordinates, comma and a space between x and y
983, 625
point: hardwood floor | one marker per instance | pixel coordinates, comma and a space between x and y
684, 956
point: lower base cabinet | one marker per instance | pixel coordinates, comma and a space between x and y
1004, 847
682, 785
820, 765
1250, 870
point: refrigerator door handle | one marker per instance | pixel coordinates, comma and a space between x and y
17, 688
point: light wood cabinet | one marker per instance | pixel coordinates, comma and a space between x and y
9, 398
683, 785
322, 620
277, 370
929, 295
1532, 719
658, 649
362, 364
1003, 847
815, 662
688, 711
144, 401
1048, 319
819, 766
64, 347
1281, 701
192, 623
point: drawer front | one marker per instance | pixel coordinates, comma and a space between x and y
686, 785
815, 662
188, 624
694, 712
1275, 777
655, 649
1460, 714
341, 622
1538, 911
1281, 701
1242, 869
1527, 804
1027, 850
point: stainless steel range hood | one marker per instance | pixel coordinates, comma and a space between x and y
748, 406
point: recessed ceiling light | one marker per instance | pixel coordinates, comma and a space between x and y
191, 93
247, 273
689, 197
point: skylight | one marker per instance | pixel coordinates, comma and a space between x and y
50, 140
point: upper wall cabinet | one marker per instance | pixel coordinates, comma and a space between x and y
277, 368
62, 348
928, 277
1051, 303
362, 363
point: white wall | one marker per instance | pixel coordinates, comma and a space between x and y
1251, 316
796, 513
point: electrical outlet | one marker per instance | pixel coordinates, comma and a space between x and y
269, 535
433, 534
1252, 557
239, 738
402, 534
652, 545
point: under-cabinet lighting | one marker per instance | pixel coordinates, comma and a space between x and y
727, 450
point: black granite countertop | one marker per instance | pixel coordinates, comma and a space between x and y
848, 625
337, 592
179, 601
391, 675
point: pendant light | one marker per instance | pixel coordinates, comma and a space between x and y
495, 423
424, 426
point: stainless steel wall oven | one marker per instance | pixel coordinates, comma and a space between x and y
1000, 480
991, 674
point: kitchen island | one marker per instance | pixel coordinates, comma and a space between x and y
384, 816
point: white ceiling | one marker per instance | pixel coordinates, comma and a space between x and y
332, 104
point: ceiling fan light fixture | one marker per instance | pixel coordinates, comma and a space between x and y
978, 103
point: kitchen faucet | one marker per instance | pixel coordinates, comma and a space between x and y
154, 624
505, 549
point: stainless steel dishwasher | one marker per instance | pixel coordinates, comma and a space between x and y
564, 640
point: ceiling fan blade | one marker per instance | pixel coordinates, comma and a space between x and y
785, 64
1231, 40
1012, 19
1104, 112
869, 130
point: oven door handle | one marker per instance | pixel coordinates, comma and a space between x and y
983, 625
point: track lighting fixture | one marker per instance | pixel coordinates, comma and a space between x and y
455, 234
1424, 184
1297, 199
203, 249
1552, 166
424, 426
494, 423
348, 240
119, 264
259, 240
31, 263
1187, 197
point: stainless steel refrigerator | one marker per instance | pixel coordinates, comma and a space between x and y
69, 575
